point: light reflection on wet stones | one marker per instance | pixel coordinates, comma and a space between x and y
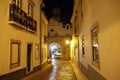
62, 70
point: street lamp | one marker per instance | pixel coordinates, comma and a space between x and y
67, 42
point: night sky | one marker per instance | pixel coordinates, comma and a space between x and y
66, 7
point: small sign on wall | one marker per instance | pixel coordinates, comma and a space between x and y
37, 51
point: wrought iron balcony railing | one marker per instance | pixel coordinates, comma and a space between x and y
17, 15
31, 23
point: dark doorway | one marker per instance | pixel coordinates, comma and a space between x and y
29, 51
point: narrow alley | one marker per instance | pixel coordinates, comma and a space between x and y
59, 39
58, 70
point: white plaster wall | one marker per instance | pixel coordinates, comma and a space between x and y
44, 52
58, 28
107, 13
44, 34
8, 32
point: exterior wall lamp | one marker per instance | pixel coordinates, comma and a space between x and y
67, 42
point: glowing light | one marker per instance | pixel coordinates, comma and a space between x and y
72, 42
67, 41
53, 47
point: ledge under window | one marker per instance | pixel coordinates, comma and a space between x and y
16, 24
30, 30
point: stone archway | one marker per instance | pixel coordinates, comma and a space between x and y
55, 51
65, 49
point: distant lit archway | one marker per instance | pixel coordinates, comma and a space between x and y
55, 51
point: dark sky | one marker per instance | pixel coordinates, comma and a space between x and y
66, 7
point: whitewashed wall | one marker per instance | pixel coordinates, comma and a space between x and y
107, 13
8, 32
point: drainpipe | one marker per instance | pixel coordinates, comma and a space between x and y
40, 33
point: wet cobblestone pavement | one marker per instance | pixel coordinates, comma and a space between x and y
62, 70
58, 70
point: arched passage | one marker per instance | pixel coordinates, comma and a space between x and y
60, 41
55, 51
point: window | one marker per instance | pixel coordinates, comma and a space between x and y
83, 46
17, 15
15, 53
52, 30
31, 23
95, 48
76, 30
18, 3
30, 9
67, 27
81, 9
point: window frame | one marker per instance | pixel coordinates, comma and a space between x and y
15, 63
95, 45
83, 45
18, 3
30, 9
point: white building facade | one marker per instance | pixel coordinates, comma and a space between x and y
20, 38
98, 38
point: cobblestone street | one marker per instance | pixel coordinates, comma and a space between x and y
62, 70
59, 70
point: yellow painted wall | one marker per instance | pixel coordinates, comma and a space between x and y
8, 32
107, 14
44, 34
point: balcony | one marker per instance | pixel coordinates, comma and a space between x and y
18, 17
31, 24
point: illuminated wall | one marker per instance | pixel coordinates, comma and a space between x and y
44, 45
10, 32
106, 14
